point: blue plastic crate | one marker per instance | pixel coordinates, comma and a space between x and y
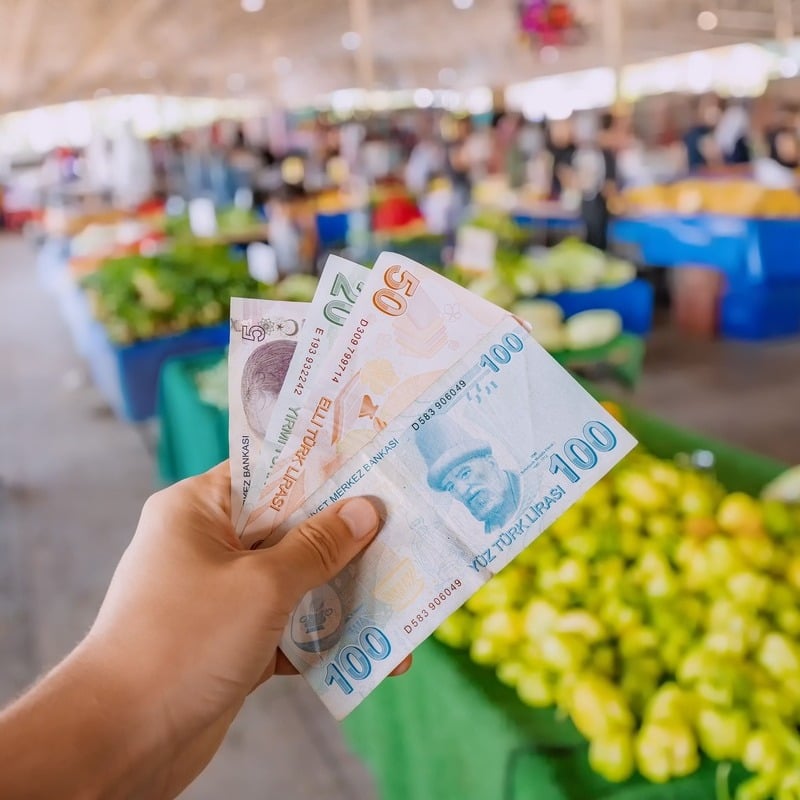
332, 229
774, 251
127, 377
75, 311
51, 262
670, 241
751, 252
633, 301
762, 312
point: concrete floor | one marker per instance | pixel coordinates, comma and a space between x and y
73, 478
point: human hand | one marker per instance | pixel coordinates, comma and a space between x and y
197, 620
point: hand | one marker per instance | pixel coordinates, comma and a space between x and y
190, 625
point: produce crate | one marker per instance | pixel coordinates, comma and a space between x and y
75, 311
448, 730
51, 262
127, 376
762, 312
332, 229
193, 436
633, 301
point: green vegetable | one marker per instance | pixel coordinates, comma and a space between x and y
593, 328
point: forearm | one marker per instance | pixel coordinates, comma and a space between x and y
82, 732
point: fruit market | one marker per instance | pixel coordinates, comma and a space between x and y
619, 180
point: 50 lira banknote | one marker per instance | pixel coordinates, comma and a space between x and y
264, 335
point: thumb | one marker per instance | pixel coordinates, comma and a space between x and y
317, 550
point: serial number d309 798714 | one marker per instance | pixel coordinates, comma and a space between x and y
433, 604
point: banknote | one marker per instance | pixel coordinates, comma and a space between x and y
264, 335
339, 286
408, 326
469, 474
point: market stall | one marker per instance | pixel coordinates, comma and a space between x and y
747, 233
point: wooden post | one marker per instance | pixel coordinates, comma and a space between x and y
361, 20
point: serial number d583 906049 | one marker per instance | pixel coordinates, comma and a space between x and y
432, 605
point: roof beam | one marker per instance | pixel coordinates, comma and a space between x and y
22, 28
108, 38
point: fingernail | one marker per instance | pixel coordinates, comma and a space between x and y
360, 516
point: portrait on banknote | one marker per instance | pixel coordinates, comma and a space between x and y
466, 468
262, 379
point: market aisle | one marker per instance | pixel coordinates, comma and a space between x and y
72, 482
742, 393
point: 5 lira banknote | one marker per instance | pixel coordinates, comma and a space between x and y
404, 386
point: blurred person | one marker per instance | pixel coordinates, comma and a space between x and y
457, 170
593, 172
132, 172
701, 149
189, 627
561, 148
425, 161
732, 135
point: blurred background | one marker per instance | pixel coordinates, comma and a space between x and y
621, 173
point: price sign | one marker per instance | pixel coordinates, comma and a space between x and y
475, 249
262, 263
203, 217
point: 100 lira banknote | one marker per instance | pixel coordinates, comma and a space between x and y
408, 326
469, 472
339, 287
264, 335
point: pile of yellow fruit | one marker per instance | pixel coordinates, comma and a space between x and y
662, 615
728, 198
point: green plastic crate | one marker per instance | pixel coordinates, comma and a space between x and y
193, 436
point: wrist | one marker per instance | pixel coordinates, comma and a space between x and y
123, 720
98, 732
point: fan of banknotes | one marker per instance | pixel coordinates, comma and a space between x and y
399, 384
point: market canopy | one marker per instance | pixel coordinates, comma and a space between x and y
293, 50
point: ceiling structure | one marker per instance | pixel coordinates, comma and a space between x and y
291, 50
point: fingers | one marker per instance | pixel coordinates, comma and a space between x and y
403, 667
321, 547
285, 667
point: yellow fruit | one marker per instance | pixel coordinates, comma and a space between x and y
641, 491
740, 515
534, 689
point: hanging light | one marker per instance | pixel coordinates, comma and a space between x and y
463, 5
252, 6
707, 20
351, 40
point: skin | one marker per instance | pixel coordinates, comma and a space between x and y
189, 627
479, 484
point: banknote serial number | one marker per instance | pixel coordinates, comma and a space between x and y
439, 405
433, 605
308, 363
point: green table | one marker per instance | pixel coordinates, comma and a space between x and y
624, 355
